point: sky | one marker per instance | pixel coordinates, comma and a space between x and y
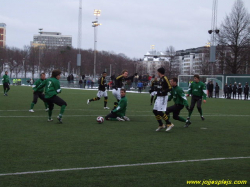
130, 27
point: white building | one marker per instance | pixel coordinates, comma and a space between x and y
154, 60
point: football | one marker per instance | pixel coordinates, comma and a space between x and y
100, 119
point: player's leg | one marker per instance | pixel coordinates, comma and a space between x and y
35, 98
105, 94
199, 108
42, 97
193, 101
7, 88
60, 102
51, 107
95, 98
113, 117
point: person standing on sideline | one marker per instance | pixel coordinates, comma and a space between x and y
80, 83
52, 88
180, 100
239, 91
225, 90
234, 90
198, 91
118, 114
140, 86
102, 92
217, 90
230, 89
6, 83
39, 93
210, 89
246, 91
162, 99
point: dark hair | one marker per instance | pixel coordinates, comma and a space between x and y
197, 76
175, 79
123, 71
161, 70
104, 72
42, 74
123, 90
55, 73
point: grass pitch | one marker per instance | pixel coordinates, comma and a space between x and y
30, 143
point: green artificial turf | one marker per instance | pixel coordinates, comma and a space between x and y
29, 143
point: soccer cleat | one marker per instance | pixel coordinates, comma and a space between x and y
6, 94
59, 119
106, 108
126, 118
50, 120
47, 109
161, 127
169, 127
88, 101
120, 119
31, 110
187, 123
202, 118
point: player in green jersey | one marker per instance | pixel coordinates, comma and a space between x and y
198, 91
39, 93
6, 83
180, 100
52, 88
118, 114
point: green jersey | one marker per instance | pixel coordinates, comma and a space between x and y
178, 95
37, 83
52, 87
120, 110
198, 89
6, 79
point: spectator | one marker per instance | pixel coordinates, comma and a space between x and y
92, 83
140, 86
80, 83
226, 90
84, 83
217, 89
210, 89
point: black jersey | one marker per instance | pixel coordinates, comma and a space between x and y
239, 89
154, 85
164, 86
120, 81
102, 84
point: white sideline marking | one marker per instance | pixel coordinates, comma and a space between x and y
107, 113
124, 165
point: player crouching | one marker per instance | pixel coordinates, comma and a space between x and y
118, 114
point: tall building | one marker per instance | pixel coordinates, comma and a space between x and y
2, 34
52, 39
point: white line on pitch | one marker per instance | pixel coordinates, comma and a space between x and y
124, 165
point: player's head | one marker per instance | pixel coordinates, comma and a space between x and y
196, 78
161, 71
42, 76
123, 92
125, 73
104, 74
173, 82
6, 72
56, 74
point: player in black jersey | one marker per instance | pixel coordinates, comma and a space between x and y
153, 90
102, 92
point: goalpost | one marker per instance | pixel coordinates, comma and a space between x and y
183, 81
237, 79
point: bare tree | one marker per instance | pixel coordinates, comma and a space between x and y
235, 34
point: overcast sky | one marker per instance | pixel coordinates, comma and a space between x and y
128, 26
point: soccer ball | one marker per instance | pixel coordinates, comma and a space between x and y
100, 119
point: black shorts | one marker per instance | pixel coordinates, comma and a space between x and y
6, 86
37, 95
194, 100
55, 100
111, 115
175, 109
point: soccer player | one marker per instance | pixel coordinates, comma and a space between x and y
246, 91
234, 90
120, 82
39, 93
118, 114
6, 83
180, 100
52, 88
153, 90
198, 90
102, 92
162, 98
